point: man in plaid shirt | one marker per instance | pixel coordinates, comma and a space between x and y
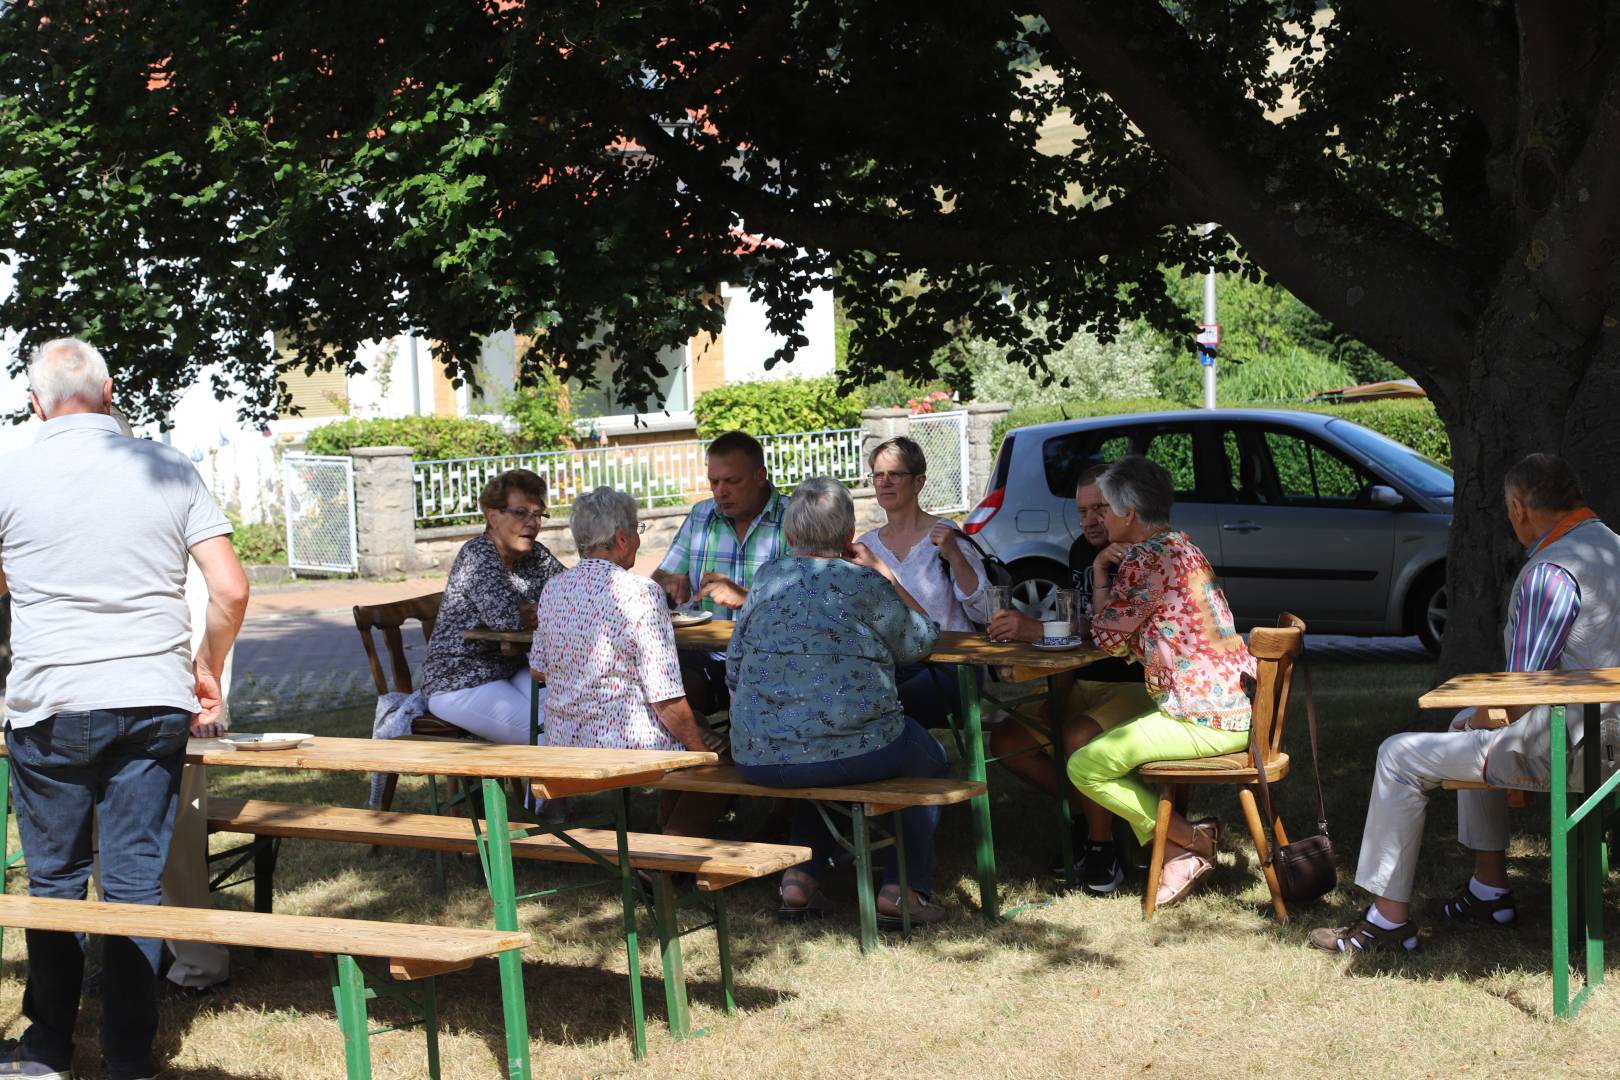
720, 547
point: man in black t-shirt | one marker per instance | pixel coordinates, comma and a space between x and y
1100, 696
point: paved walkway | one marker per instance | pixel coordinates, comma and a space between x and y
299, 650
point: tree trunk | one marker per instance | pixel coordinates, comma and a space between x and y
1533, 387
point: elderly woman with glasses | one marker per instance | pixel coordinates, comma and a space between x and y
606, 645
811, 670
934, 561
495, 583
1154, 599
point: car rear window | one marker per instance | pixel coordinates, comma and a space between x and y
1067, 456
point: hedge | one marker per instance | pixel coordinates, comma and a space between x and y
429, 437
1406, 420
776, 408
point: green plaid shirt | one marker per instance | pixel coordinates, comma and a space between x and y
708, 541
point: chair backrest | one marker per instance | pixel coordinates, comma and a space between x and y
389, 618
1275, 648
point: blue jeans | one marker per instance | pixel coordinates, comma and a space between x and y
914, 753
930, 691
123, 767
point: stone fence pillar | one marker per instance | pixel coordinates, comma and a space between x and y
881, 425
982, 420
384, 510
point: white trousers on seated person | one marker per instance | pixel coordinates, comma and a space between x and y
496, 712
1410, 766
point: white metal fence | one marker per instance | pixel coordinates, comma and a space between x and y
944, 441
656, 474
319, 500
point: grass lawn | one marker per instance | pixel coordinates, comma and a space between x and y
1212, 988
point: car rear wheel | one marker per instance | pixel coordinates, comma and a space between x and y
1428, 609
1033, 585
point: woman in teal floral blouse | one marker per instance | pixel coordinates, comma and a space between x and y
813, 700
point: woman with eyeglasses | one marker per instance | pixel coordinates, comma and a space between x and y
938, 567
495, 583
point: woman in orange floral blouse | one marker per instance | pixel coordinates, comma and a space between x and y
1157, 601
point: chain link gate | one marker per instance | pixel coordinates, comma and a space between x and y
318, 494
944, 441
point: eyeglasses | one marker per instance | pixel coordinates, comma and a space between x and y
891, 477
1091, 509
519, 514
641, 526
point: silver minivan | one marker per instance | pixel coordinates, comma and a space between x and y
1297, 511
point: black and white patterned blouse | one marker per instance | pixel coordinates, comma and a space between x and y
482, 591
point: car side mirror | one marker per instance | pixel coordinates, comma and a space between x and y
1383, 497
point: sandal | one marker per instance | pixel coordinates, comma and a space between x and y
1363, 937
1181, 875
924, 912
1465, 907
814, 906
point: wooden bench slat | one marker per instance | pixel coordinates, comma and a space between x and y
898, 793
410, 948
716, 863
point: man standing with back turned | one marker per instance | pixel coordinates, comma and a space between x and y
95, 528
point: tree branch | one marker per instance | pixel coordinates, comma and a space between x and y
931, 239
1369, 272
1468, 43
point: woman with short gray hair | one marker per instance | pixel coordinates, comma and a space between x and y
1156, 601
606, 648
813, 702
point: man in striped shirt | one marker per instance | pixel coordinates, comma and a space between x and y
1564, 612
720, 546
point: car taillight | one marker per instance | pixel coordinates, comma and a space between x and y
987, 509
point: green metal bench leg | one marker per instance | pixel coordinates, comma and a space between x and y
503, 897
632, 950
1067, 880
349, 994
1558, 803
438, 856
983, 844
1591, 838
669, 941
863, 876
430, 1019
722, 941
900, 869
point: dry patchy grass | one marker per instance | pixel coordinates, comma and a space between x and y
1213, 988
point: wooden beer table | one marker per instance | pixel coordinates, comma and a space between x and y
1025, 663
554, 772
1560, 689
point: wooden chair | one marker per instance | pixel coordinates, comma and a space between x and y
1275, 650
389, 618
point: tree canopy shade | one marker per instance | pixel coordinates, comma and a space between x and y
1436, 179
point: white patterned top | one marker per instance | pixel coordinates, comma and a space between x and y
927, 578
607, 647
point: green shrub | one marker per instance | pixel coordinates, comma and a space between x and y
1083, 369
429, 437
776, 407
1409, 421
262, 543
543, 414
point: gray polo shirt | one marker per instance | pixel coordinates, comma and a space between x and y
94, 529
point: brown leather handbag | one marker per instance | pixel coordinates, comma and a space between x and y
1306, 868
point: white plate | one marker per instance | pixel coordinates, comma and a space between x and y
681, 618
1072, 643
267, 740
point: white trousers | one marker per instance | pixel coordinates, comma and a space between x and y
1410, 766
497, 711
